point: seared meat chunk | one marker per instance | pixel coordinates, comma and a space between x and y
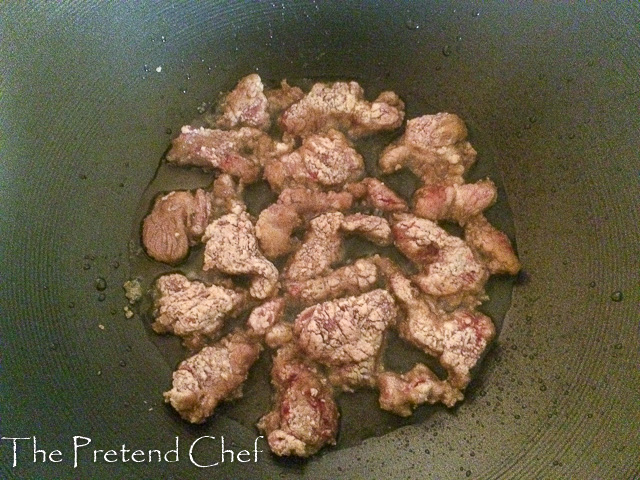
375, 229
240, 153
245, 105
232, 248
178, 219
347, 331
377, 195
322, 161
304, 416
342, 106
434, 147
176, 222
191, 309
277, 222
401, 393
352, 279
279, 99
214, 374
267, 321
322, 247
448, 266
491, 245
457, 339
454, 202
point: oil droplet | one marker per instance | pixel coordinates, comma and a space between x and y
123, 363
592, 284
115, 264
86, 266
476, 13
53, 346
571, 136
533, 119
168, 131
618, 346
82, 176
543, 388
102, 297
202, 108
146, 68
99, 372
411, 24
617, 296
113, 311
459, 38
468, 473
163, 39
184, 90
101, 284
446, 50
71, 305
188, 76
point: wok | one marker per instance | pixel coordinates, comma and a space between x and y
90, 93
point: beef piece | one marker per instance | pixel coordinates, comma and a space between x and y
191, 309
246, 105
322, 246
304, 416
434, 147
454, 202
448, 266
373, 228
279, 99
342, 106
232, 248
456, 338
277, 222
491, 245
267, 322
401, 393
214, 374
347, 331
377, 195
353, 279
240, 153
322, 161
176, 222
178, 219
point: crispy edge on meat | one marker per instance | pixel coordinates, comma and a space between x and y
214, 374
342, 106
279, 99
375, 229
402, 393
492, 246
454, 202
326, 160
193, 310
266, 321
305, 416
434, 147
232, 248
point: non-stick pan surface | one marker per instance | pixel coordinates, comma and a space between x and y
90, 94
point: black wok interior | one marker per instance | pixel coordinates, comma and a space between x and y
90, 96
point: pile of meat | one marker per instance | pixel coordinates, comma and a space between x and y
323, 318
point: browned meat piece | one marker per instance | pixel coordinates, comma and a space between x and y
457, 339
304, 416
276, 223
191, 309
448, 266
231, 247
322, 161
282, 98
212, 375
347, 331
491, 245
176, 222
246, 105
400, 394
454, 202
342, 106
434, 147
377, 195
265, 316
375, 229
178, 219
352, 279
322, 246
240, 153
